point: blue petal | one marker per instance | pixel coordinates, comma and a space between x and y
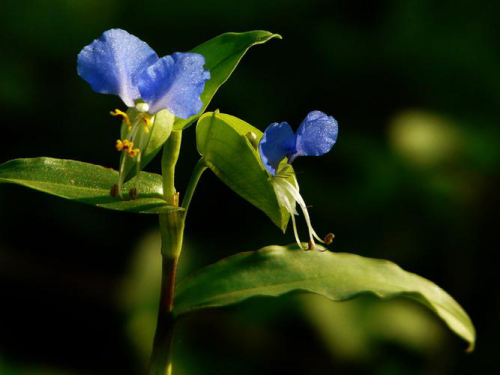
174, 83
316, 135
110, 63
277, 142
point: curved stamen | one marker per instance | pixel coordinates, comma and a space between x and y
288, 196
147, 120
295, 193
295, 233
125, 117
136, 137
127, 146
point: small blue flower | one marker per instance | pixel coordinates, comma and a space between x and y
121, 64
316, 136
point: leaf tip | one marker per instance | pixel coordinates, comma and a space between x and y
265, 36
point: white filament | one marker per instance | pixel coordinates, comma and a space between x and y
288, 196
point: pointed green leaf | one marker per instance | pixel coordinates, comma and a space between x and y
277, 270
223, 142
222, 55
86, 183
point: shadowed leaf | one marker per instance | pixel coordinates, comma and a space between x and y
86, 183
277, 270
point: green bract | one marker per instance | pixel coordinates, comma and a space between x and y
277, 270
226, 144
86, 183
162, 127
222, 55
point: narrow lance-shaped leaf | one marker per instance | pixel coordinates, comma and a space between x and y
86, 183
277, 270
223, 142
222, 55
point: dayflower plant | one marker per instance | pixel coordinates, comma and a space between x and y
316, 136
121, 64
157, 89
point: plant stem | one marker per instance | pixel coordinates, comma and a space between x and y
172, 233
161, 356
195, 177
169, 160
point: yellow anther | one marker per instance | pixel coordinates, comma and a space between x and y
127, 146
133, 152
117, 112
119, 145
148, 122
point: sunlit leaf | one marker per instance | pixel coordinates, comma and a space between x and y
277, 270
223, 142
222, 55
86, 183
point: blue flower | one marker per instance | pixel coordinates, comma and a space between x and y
316, 136
121, 64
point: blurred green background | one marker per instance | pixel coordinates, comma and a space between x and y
415, 87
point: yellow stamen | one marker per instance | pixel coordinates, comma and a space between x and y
148, 122
127, 146
133, 152
119, 145
117, 112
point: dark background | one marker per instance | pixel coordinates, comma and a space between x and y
415, 87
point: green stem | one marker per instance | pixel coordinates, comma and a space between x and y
195, 177
161, 356
169, 160
172, 233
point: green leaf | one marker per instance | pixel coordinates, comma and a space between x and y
222, 55
86, 183
221, 139
276, 270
